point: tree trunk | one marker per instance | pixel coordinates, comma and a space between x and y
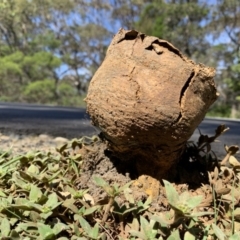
147, 99
234, 110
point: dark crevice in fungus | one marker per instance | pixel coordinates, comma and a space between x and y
135, 83
166, 45
178, 118
131, 35
186, 85
184, 89
150, 48
169, 47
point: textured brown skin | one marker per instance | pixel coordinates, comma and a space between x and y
147, 99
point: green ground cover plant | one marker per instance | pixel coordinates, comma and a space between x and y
40, 198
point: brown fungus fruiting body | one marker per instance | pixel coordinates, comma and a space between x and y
147, 99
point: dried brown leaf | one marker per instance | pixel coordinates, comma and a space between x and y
233, 161
216, 173
222, 191
221, 129
206, 202
232, 149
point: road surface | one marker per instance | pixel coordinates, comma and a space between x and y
74, 122
38, 119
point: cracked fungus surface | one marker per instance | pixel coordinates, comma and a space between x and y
146, 93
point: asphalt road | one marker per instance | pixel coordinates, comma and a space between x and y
74, 122
38, 119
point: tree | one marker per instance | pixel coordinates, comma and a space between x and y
182, 22
226, 24
55, 39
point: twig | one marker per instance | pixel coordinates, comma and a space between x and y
107, 232
108, 207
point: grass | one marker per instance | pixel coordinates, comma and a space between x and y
40, 199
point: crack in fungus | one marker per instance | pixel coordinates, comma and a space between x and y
166, 45
131, 35
182, 93
186, 85
135, 83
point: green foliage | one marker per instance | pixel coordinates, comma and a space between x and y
40, 91
183, 204
10, 66
219, 110
147, 231
40, 39
40, 65
39, 199
69, 96
179, 22
112, 191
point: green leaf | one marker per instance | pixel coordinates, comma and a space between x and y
135, 224
14, 235
2, 194
148, 201
76, 229
99, 181
160, 219
94, 232
5, 227
128, 195
84, 224
62, 148
45, 231
70, 204
193, 202
128, 210
174, 235
235, 236
148, 230
52, 201
171, 193
35, 193
126, 186
218, 232
33, 169
144, 224
189, 236
91, 210
46, 215
143, 206
236, 214
59, 227
25, 176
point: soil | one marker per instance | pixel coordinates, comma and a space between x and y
99, 161
22, 143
